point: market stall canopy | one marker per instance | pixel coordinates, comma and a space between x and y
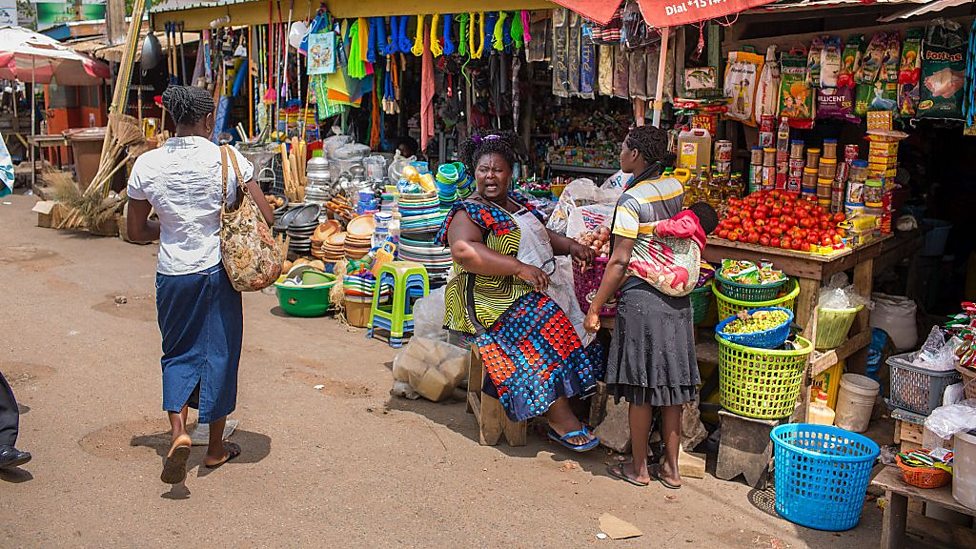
101, 49
31, 57
929, 6
197, 14
663, 13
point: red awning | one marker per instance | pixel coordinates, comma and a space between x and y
663, 13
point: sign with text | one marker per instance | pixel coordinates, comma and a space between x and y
672, 13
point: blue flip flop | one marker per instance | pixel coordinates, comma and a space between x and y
564, 440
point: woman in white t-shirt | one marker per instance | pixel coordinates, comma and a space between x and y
199, 312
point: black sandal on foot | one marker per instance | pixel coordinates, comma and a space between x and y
174, 468
617, 471
233, 450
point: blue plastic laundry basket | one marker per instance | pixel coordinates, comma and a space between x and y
822, 474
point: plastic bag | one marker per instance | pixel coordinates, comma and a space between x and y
943, 70
741, 77
836, 103
796, 97
428, 316
946, 421
896, 316
767, 93
839, 294
583, 193
432, 368
831, 61
936, 354
851, 61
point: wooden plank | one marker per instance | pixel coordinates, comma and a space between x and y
893, 523
823, 361
794, 264
889, 479
934, 531
910, 432
859, 256
863, 281
806, 304
896, 438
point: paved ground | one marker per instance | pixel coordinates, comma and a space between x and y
346, 465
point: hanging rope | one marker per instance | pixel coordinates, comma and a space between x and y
383, 43
526, 23
499, 34
403, 41
517, 33
463, 20
375, 24
418, 41
476, 52
448, 44
435, 44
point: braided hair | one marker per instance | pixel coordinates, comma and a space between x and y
187, 104
652, 144
503, 143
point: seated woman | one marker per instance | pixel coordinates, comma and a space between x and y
504, 256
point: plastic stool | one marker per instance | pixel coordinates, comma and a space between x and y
409, 280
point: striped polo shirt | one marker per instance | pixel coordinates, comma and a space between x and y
647, 201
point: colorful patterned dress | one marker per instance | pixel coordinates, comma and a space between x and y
531, 352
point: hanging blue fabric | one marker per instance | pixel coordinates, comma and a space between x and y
449, 48
404, 43
507, 32
381, 41
239, 79
371, 42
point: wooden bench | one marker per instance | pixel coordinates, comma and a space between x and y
488, 411
896, 513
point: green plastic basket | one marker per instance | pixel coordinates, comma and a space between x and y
701, 300
833, 325
760, 383
308, 300
728, 306
748, 292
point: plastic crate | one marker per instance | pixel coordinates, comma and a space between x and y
822, 474
917, 389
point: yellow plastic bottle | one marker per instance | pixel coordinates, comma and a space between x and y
819, 413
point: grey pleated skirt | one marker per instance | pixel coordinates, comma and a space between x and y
652, 355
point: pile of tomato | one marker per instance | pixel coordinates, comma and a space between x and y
781, 219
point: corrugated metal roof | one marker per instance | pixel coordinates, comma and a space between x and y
98, 47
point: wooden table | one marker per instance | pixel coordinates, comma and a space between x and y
896, 513
45, 142
811, 272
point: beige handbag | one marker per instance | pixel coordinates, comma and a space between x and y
247, 247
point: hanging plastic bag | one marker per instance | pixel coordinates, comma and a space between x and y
873, 59
851, 61
796, 97
767, 92
813, 60
891, 65
831, 60
741, 77
943, 70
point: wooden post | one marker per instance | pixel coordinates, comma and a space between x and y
662, 64
115, 21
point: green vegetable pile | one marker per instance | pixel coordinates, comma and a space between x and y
758, 321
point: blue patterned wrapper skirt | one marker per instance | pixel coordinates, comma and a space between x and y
201, 321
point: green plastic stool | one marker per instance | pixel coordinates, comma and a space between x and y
396, 314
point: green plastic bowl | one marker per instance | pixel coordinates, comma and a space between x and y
308, 300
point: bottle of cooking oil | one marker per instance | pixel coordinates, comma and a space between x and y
819, 413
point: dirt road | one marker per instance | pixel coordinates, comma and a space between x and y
343, 466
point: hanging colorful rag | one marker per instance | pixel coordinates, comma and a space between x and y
356, 67
463, 20
476, 29
498, 35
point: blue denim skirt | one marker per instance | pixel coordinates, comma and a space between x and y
202, 323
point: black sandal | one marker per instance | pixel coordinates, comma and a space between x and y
617, 471
233, 450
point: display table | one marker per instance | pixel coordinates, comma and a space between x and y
811, 272
896, 512
45, 142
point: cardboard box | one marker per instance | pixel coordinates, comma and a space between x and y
49, 213
881, 120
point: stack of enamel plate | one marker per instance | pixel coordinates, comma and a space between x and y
333, 248
301, 227
434, 257
321, 235
359, 237
420, 213
359, 287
